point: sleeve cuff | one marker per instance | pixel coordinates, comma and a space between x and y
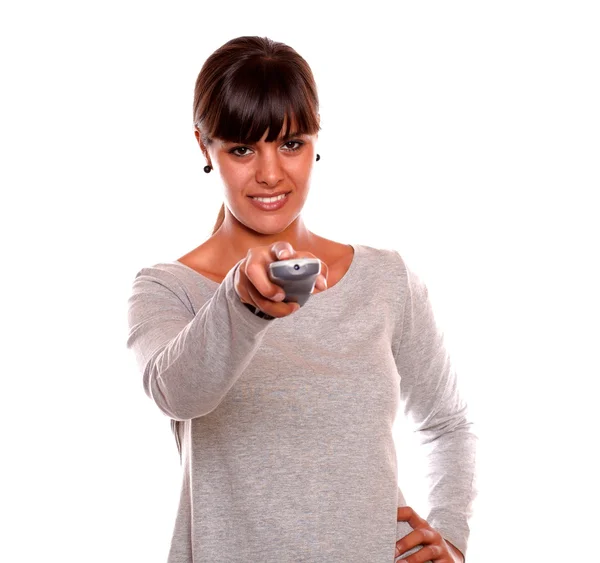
256, 311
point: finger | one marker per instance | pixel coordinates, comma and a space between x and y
256, 272
324, 272
324, 269
282, 250
407, 514
321, 283
417, 538
428, 553
270, 307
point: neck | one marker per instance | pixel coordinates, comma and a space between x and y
234, 239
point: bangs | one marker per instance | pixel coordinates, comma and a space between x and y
259, 96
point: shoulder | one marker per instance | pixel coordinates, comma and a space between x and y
166, 272
389, 261
394, 273
163, 280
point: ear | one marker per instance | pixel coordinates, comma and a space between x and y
202, 145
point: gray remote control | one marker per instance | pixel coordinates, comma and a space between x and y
296, 276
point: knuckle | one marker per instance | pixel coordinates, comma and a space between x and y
258, 296
433, 551
252, 268
274, 309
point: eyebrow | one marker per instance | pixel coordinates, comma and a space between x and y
285, 138
290, 135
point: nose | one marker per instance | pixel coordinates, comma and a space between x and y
269, 169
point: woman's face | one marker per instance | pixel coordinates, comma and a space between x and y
264, 169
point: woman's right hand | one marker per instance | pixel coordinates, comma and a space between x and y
253, 285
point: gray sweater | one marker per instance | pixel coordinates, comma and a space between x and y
285, 426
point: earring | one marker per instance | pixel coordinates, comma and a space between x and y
318, 157
207, 169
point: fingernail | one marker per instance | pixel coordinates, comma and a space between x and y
279, 297
283, 253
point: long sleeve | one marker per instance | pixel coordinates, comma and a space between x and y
189, 361
430, 396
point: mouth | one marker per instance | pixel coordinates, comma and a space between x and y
270, 204
271, 199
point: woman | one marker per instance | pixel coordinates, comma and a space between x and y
283, 415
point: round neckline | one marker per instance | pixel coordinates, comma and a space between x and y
349, 273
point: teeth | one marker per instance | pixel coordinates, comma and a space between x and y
270, 199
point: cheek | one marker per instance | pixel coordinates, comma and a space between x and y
233, 176
300, 168
303, 177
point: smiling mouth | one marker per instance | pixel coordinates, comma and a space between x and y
270, 199
271, 204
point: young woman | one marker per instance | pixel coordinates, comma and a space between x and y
283, 414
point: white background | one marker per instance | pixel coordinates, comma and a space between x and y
463, 134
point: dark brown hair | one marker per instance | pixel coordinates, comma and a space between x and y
250, 84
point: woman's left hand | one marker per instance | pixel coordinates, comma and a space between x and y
435, 547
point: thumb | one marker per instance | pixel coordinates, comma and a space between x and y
283, 250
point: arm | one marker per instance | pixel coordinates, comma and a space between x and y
189, 362
430, 396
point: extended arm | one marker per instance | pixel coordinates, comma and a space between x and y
189, 362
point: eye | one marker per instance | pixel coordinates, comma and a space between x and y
246, 149
232, 151
299, 143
